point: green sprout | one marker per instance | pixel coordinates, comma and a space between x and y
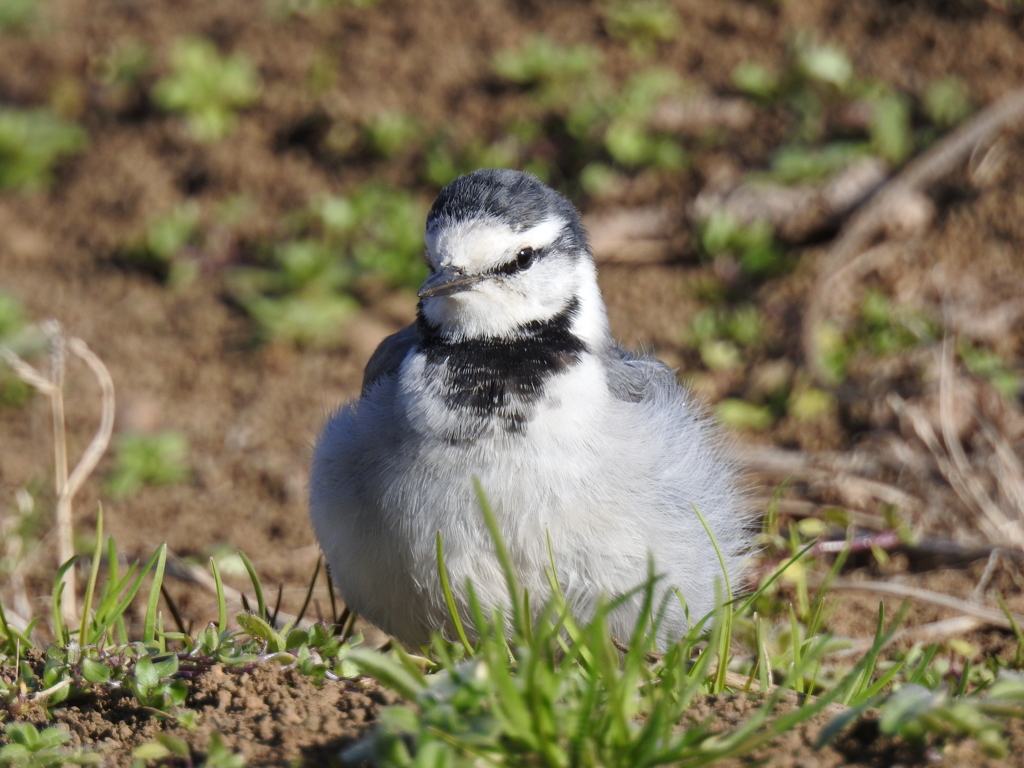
303, 293
756, 80
753, 244
29, 748
207, 88
391, 134
552, 69
627, 137
18, 15
891, 135
642, 23
31, 142
158, 459
165, 238
827, 64
14, 334
987, 365
881, 330
799, 163
946, 102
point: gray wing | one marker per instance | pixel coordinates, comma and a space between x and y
634, 377
387, 358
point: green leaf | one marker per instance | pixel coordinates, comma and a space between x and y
95, 671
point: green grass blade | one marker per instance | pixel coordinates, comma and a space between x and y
725, 638
60, 630
222, 605
90, 587
449, 598
504, 559
128, 594
771, 579
261, 603
149, 623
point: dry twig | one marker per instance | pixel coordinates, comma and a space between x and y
68, 485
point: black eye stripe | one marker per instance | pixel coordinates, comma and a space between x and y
523, 260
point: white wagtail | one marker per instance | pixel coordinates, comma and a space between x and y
510, 375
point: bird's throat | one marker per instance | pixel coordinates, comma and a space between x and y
500, 377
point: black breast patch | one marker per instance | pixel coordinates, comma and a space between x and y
497, 376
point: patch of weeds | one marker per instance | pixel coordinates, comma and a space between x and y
446, 159
29, 748
553, 71
820, 87
627, 136
946, 102
31, 143
391, 134
21, 338
727, 336
207, 88
18, 15
13, 391
796, 163
987, 365
881, 330
161, 247
643, 24
142, 459
305, 292
156, 664
282, 9
925, 712
602, 127
753, 245
122, 70
165, 746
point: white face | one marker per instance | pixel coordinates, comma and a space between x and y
500, 303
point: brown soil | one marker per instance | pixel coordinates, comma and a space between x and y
184, 359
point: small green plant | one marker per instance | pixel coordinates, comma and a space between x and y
627, 137
22, 339
304, 294
799, 163
881, 330
31, 142
753, 244
207, 88
727, 336
121, 72
29, 748
642, 23
151, 682
141, 459
163, 243
391, 134
990, 366
553, 70
946, 102
18, 15
282, 9
166, 746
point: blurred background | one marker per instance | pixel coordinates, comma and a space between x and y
225, 200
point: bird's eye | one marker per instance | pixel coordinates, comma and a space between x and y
525, 257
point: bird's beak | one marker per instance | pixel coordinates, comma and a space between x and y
446, 281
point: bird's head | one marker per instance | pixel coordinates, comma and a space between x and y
506, 251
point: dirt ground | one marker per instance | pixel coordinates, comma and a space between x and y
184, 360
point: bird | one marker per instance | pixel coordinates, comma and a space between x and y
591, 457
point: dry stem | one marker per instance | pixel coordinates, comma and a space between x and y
67, 486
